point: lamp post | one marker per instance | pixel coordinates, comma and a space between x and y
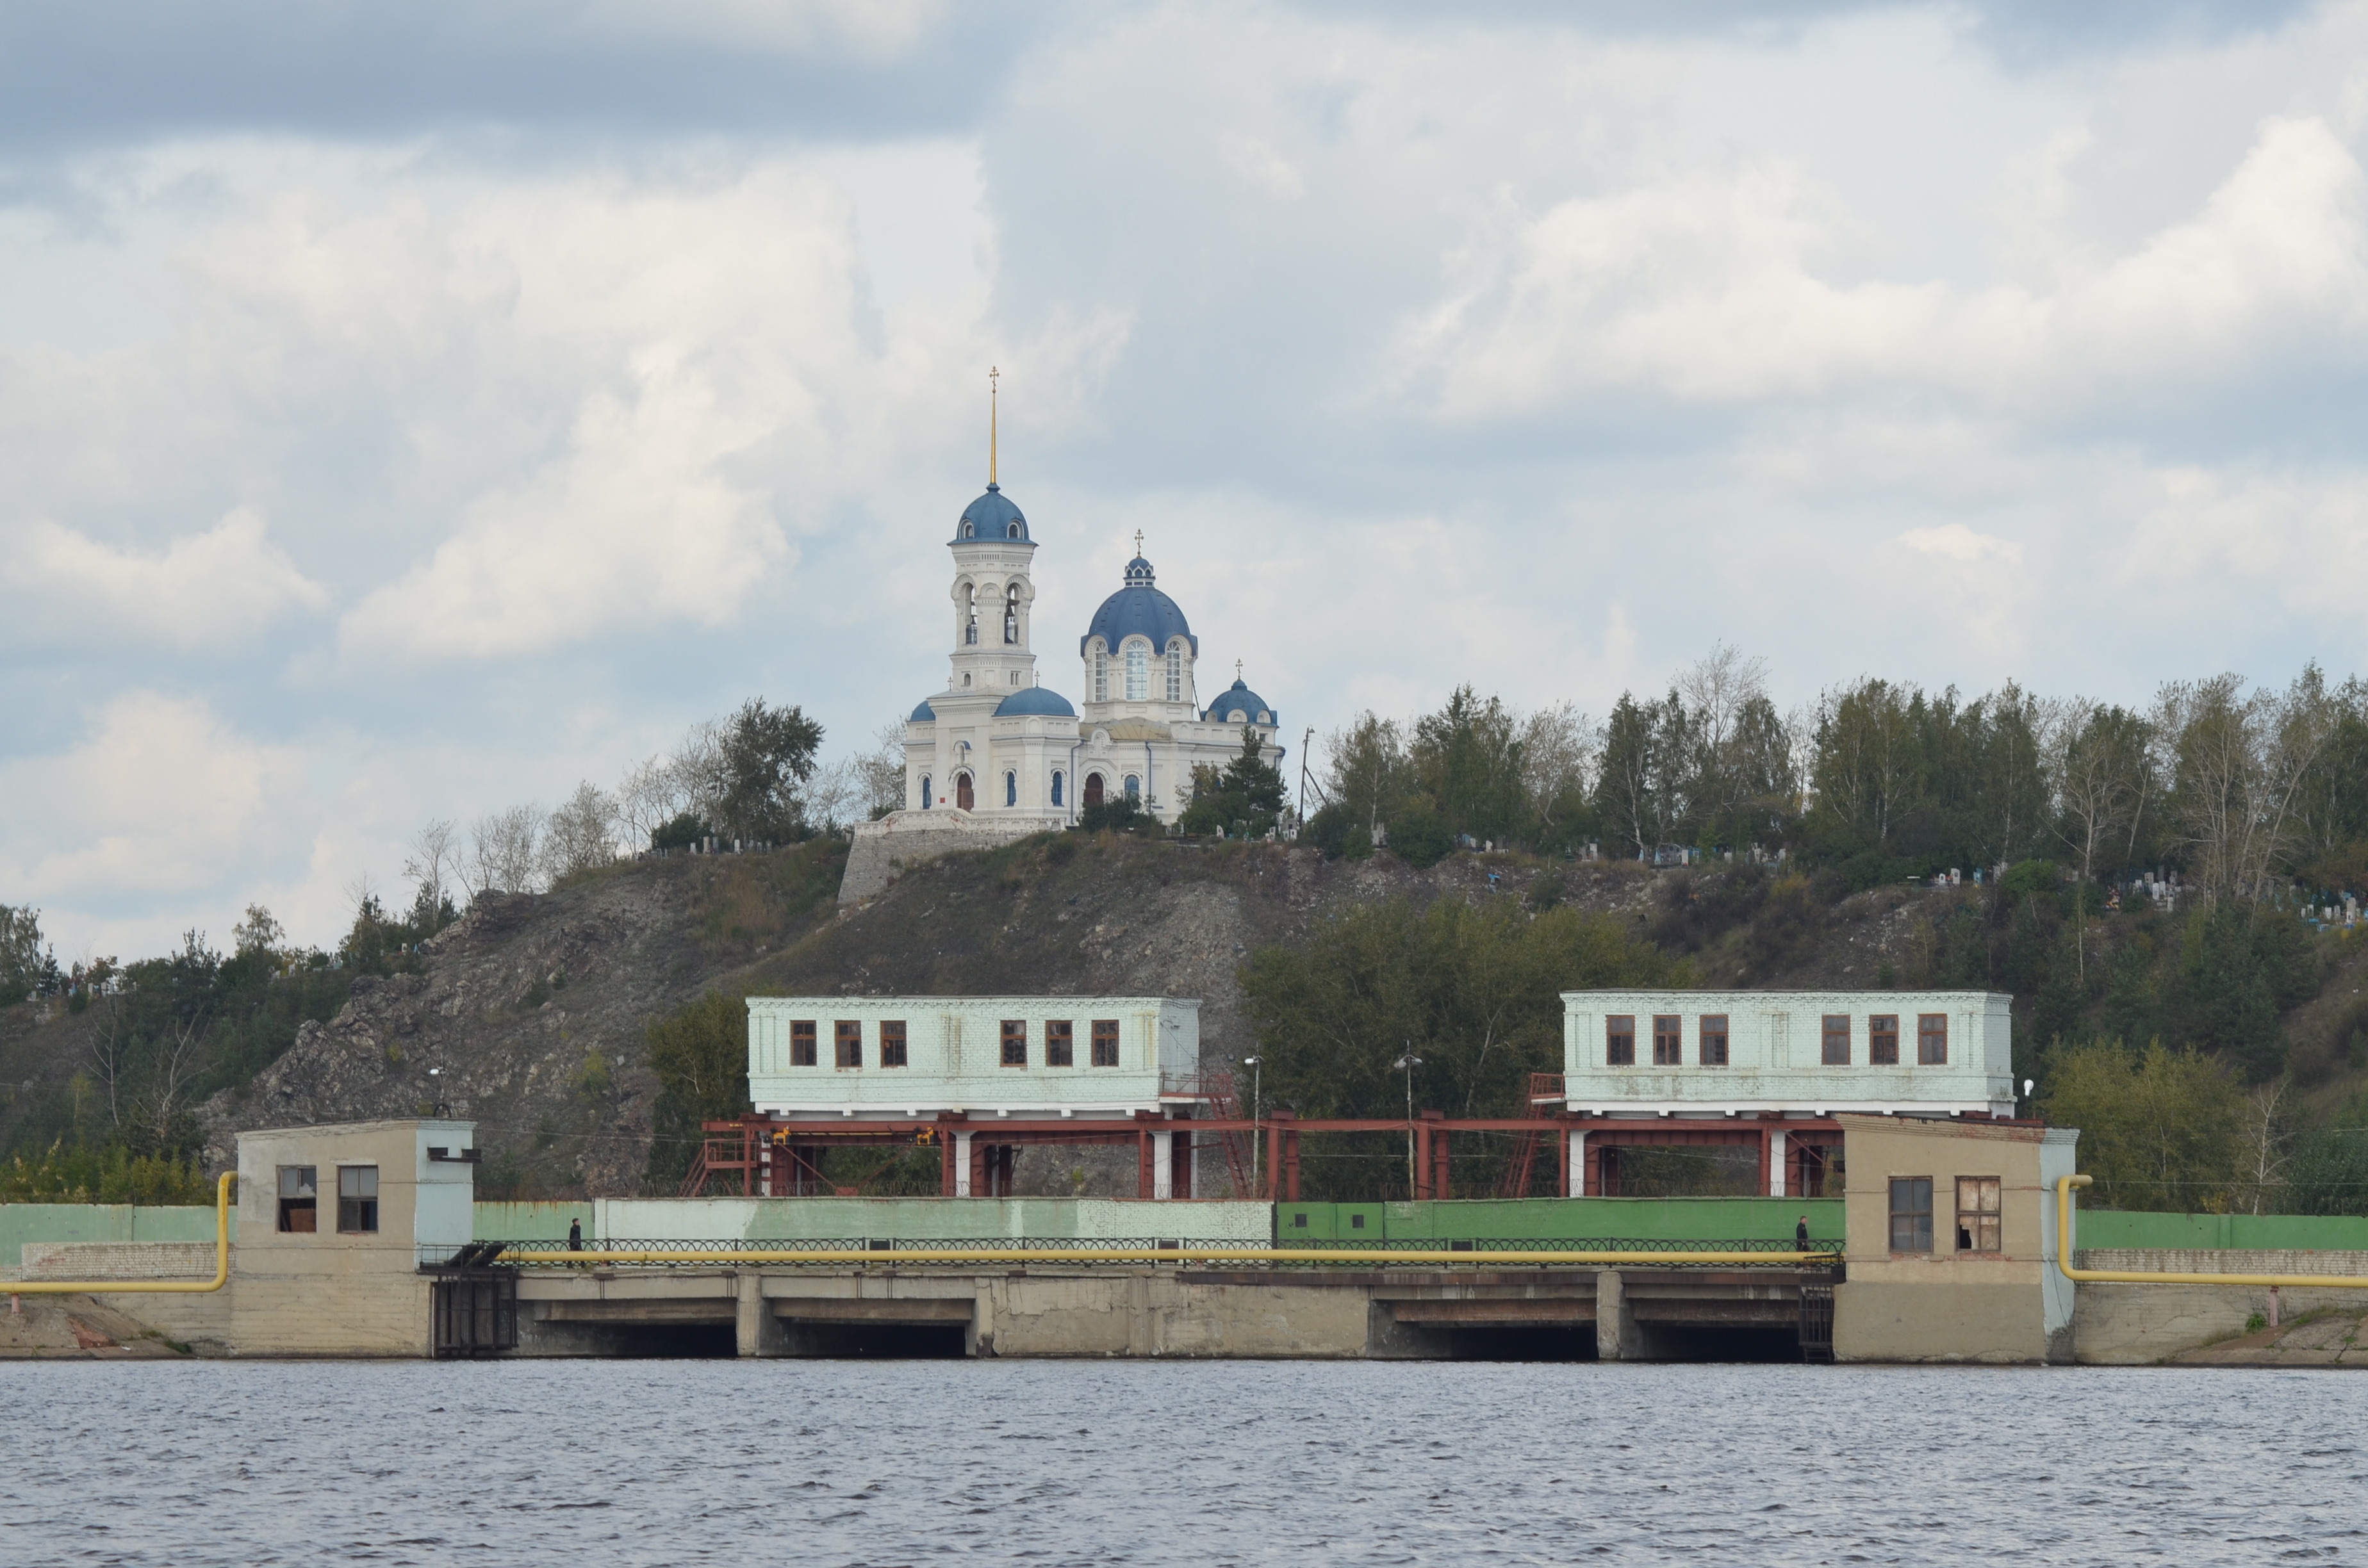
436, 1088
1408, 1062
1257, 1064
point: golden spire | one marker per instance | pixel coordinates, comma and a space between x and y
991, 374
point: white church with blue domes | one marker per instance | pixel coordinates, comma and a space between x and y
997, 755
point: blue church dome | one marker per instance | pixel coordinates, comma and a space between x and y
1040, 699
924, 714
1139, 610
992, 516
1239, 705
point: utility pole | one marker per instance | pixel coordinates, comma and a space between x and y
1304, 742
1408, 1062
1257, 1064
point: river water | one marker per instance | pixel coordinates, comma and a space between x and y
825, 1462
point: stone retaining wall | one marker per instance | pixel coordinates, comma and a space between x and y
115, 1260
880, 850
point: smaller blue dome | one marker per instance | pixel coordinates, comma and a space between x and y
1240, 705
924, 714
1035, 700
992, 516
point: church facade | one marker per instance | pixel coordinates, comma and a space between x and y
998, 755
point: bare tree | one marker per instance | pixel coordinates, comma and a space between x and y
2240, 764
2097, 759
647, 798
503, 849
2267, 1143
434, 861
111, 1052
701, 769
832, 795
1559, 747
580, 836
880, 773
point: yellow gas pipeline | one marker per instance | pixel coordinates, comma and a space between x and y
2064, 1185
150, 1287
1215, 1254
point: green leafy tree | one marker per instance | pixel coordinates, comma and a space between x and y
1475, 992
768, 754
27, 966
700, 1054
2159, 1128
1246, 797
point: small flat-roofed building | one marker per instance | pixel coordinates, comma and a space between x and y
981, 1077
1772, 1067
911, 1058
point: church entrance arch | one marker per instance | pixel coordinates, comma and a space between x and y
1093, 788
961, 790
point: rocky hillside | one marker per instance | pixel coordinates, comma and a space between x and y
529, 1015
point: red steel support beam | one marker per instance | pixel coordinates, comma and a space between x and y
1439, 1187
1143, 1172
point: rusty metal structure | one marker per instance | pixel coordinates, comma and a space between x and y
770, 1156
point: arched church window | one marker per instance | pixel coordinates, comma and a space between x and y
961, 792
1093, 790
925, 791
1056, 786
965, 678
1011, 613
1174, 671
1011, 789
1133, 787
969, 530
1138, 671
1101, 673
1015, 530
969, 630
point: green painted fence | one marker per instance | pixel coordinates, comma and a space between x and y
2220, 1233
1563, 1219
22, 1222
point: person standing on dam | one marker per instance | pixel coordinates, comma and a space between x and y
575, 1234
1801, 1234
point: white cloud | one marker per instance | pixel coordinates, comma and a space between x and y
158, 802
1725, 285
1958, 543
634, 526
209, 590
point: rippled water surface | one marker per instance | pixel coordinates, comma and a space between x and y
814, 1462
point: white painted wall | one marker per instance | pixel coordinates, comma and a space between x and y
1775, 1046
953, 1047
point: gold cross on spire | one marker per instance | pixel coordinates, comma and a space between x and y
1138, 542
1237, 669
992, 372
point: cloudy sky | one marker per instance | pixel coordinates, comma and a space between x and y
408, 412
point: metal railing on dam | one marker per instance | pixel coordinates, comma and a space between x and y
956, 1253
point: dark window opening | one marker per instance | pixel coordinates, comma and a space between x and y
1619, 1040
356, 1200
1093, 788
1668, 1043
1838, 1032
1015, 1043
1932, 1039
801, 1043
1298, 1221
1056, 786
848, 1038
1105, 1043
1060, 1043
1978, 1218
1714, 1039
1356, 1221
892, 1043
1883, 1040
1011, 605
1911, 1213
1011, 789
300, 1200
964, 799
